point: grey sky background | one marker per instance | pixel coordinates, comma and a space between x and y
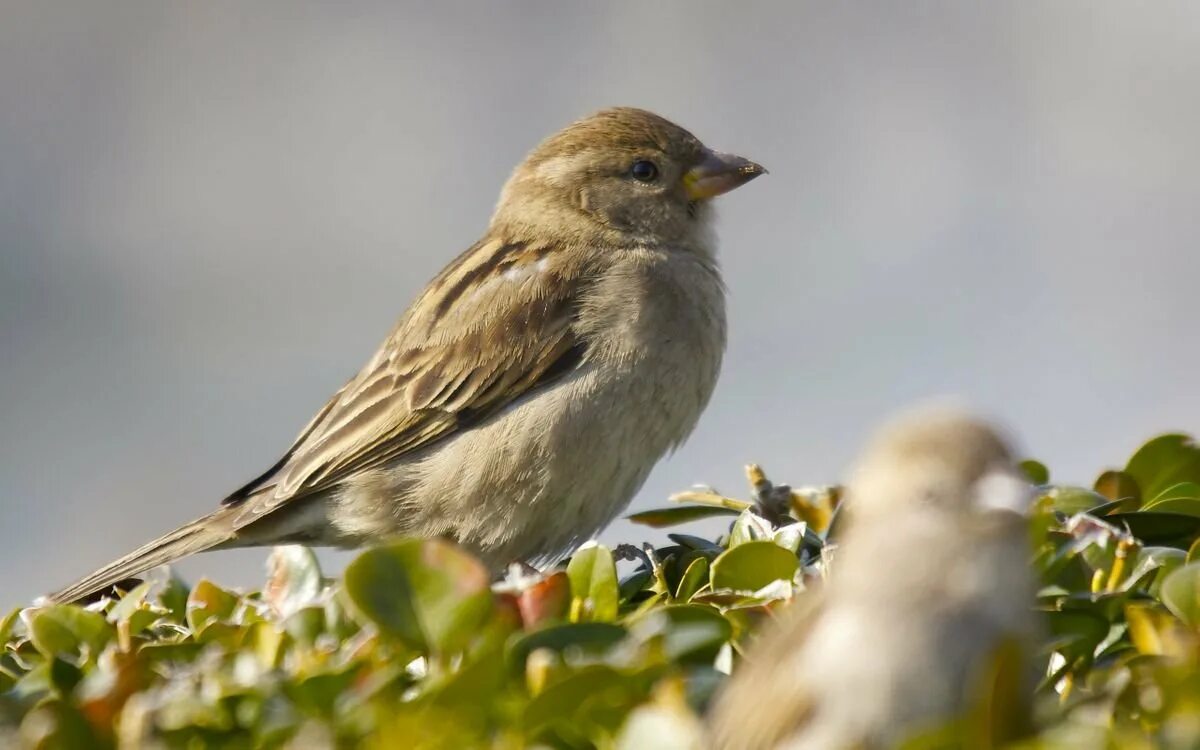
211, 213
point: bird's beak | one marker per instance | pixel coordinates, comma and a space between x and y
719, 173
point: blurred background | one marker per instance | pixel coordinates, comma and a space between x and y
211, 213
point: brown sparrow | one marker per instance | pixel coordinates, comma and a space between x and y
524, 396
930, 586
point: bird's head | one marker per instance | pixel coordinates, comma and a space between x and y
625, 173
937, 458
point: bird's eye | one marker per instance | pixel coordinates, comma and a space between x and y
644, 171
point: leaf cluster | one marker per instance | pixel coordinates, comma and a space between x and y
417, 647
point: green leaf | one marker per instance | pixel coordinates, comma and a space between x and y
1187, 506
1077, 632
594, 590
753, 565
689, 632
305, 624
1035, 470
1168, 560
592, 638
135, 612
1183, 497
1118, 485
697, 543
1072, 500
694, 579
318, 694
594, 699
67, 630
1159, 529
1165, 461
749, 527
56, 724
184, 651
661, 517
208, 602
1181, 593
265, 640
426, 593
1178, 490
791, 536
1156, 561
635, 583
130, 603
1114, 506
7, 625
174, 595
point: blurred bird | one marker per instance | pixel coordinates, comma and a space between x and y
524, 396
927, 607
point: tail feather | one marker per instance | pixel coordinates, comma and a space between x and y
197, 536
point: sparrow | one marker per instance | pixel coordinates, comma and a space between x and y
522, 399
930, 589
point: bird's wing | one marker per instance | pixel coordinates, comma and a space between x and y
769, 697
497, 322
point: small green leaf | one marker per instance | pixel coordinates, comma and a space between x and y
184, 651
1114, 506
1180, 489
135, 612
1077, 632
318, 694
691, 633
1156, 561
57, 724
593, 638
791, 536
1164, 461
473, 686
749, 527
174, 595
1187, 506
1183, 497
426, 593
1072, 500
1118, 485
1181, 593
594, 590
1036, 471
592, 700
141, 619
305, 624
694, 579
750, 566
635, 583
7, 625
130, 603
699, 544
661, 517
66, 630
265, 640
1159, 529
208, 602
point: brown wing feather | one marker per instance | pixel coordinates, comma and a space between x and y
469, 346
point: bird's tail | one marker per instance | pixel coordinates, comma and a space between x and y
197, 536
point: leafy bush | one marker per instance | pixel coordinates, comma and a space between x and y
416, 648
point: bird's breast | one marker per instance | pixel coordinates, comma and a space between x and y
661, 317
